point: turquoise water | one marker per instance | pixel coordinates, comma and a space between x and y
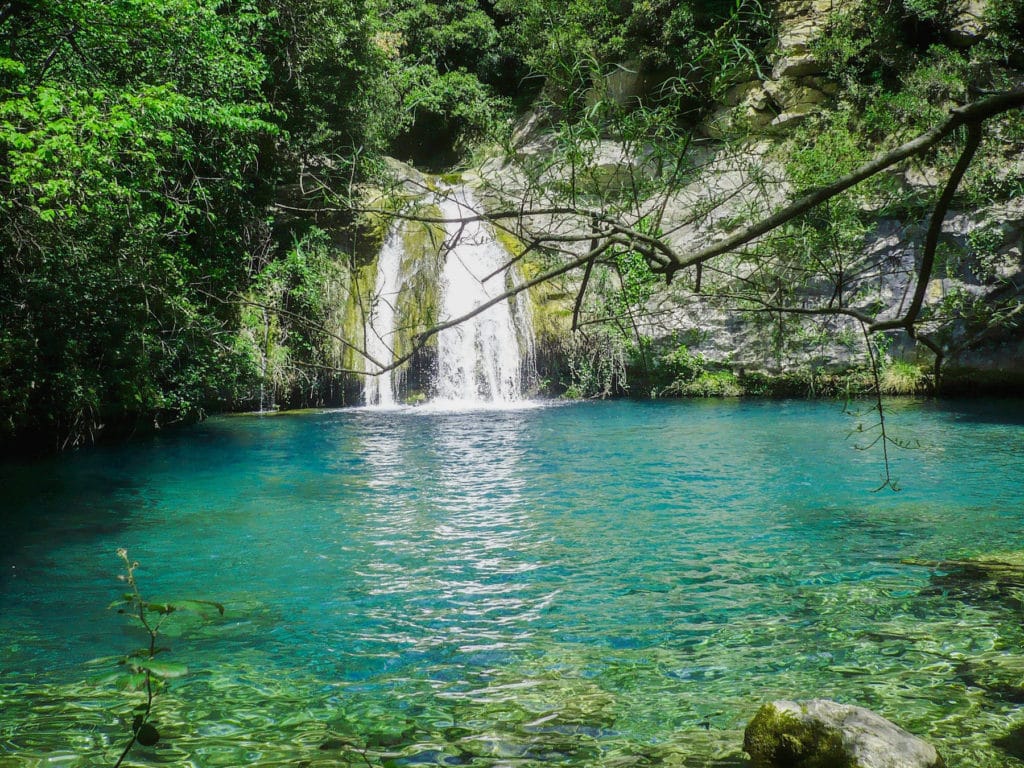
593, 584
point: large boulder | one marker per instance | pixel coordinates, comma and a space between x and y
826, 734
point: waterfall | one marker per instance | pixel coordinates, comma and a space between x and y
480, 359
380, 327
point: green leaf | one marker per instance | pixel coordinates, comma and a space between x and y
165, 669
147, 735
200, 605
11, 67
103, 660
130, 681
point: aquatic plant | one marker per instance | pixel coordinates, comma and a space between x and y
141, 669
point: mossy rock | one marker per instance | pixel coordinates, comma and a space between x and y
353, 321
1000, 676
778, 739
419, 300
819, 733
1004, 568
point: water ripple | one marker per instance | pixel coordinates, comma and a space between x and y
544, 586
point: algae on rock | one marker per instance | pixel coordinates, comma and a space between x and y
778, 739
820, 733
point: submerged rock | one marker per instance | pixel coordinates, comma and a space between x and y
999, 676
826, 734
1012, 742
998, 575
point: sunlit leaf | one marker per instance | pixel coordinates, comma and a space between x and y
165, 669
200, 605
103, 660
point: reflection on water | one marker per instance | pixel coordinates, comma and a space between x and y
569, 585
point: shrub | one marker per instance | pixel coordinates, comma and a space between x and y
899, 377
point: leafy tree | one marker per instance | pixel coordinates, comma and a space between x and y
129, 138
693, 50
446, 78
328, 80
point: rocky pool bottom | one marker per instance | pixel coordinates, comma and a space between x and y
597, 584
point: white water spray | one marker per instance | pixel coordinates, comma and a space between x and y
380, 328
480, 359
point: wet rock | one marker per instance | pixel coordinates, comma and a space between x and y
826, 734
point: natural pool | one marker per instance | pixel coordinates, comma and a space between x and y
595, 584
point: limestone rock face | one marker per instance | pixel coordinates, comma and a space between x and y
826, 734
969, 26
797, 86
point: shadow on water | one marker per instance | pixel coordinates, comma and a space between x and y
64, 497
99, 492
1002, 411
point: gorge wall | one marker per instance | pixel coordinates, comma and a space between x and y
748, 155
743, 165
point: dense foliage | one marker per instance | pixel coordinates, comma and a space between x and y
160, 160
141, 143
130, 136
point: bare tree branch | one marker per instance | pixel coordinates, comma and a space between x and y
931, 241
972, 115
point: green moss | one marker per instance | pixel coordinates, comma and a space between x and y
550, 303
353, 320
777, 739
509, 242
711, 384
678, 372
419, 302
371, 229
851, 382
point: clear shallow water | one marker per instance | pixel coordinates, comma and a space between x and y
595, 584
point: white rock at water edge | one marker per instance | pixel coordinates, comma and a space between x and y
792, 734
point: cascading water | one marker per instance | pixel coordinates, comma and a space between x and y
379, 389
480, 359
